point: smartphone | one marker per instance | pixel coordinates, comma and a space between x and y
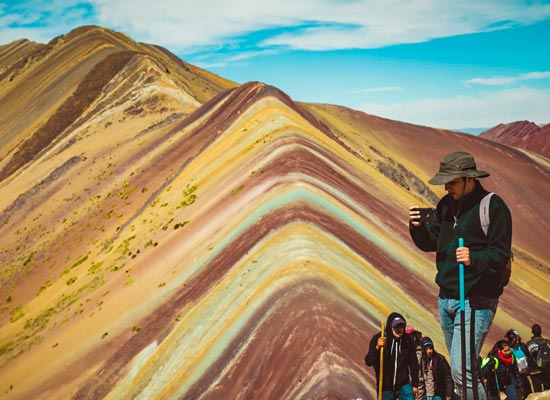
426, 214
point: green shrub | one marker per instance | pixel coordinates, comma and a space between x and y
16, 314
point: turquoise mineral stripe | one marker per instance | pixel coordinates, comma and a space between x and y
289, 197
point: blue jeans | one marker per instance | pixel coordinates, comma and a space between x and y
449, 318
405, 393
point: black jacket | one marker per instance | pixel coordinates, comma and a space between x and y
500, 375
443, 379
489, 253
401, 350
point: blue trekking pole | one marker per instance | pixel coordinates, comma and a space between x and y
462, 321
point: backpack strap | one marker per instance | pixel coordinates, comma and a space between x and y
484, 212
487, 359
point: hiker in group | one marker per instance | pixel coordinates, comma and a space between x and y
484, 255
501, 372
400, 366
436, 372
417, 341
539, 349
523, 358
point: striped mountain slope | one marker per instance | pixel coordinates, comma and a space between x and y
168, 234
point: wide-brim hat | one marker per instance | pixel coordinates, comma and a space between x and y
457, 165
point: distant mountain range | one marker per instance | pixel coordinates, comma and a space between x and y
168, 233
471, 131
522, 134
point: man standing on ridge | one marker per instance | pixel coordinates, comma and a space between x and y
485, 257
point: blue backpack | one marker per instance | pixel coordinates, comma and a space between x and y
521, 360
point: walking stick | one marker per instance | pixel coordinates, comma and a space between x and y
381, 377
462, 322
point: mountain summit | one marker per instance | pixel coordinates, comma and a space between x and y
522, 134
170, 234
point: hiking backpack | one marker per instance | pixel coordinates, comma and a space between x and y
543, 355
506, 272
521, 360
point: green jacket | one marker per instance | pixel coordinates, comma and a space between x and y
489, 253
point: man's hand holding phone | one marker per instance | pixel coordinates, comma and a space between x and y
420, 215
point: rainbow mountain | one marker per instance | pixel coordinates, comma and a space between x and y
170, 234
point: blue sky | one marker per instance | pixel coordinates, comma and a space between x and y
440, 63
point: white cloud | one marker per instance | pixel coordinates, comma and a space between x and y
484, 110
250, 54
502, 80
42, 20
305, 24
496, 80
190, 24
372, 24
214, 60
310, 24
